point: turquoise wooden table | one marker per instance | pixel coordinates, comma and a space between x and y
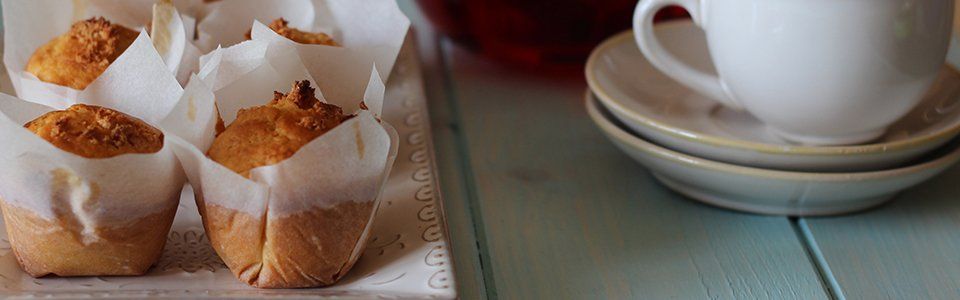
541, 206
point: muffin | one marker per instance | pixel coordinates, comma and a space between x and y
73, 243
280, 27
78, 57
313, 247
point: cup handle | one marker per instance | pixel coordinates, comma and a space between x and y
708, 85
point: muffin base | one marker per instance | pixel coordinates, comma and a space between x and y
60, 247
311, 248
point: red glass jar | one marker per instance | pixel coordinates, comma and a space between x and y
534, 33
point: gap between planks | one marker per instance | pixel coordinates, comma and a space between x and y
827, 279
449, 87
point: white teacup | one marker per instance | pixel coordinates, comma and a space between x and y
821, 72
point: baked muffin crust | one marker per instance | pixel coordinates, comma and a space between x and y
268, 134
96, 132
78, 57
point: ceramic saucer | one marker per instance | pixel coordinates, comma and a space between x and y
670, 114
767, 191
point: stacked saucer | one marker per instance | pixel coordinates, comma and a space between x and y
730, 159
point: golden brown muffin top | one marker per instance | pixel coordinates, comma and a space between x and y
78, 57
280, 27
268, 134
96, 132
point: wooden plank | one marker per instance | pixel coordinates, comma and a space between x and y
465, 253
908, 249
563, 214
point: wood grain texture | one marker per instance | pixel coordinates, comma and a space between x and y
563, 214
453, 185
908, 249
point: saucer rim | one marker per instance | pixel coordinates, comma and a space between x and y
610, 103
693, 192
615, 131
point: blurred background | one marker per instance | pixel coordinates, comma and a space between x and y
552, 34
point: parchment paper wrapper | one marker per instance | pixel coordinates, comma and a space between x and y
368, 31
69, 215
31, 24
304, 221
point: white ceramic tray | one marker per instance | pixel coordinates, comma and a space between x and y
407, 257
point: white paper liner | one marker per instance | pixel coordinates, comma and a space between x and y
226, 22
28, 25
348, 163
106, 192
369, 31
329, 170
